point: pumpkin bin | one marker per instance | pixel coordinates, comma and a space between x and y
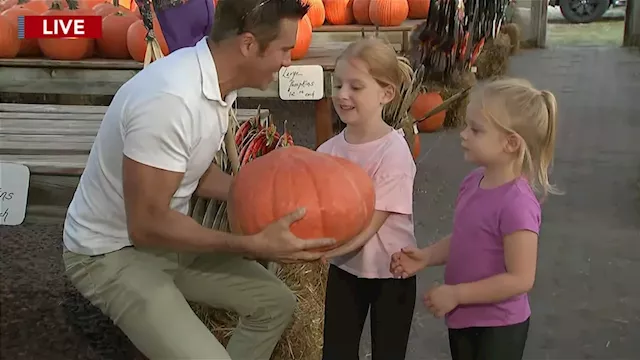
340, 208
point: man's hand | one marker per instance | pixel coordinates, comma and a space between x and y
277, 243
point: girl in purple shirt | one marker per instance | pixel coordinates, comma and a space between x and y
490, 258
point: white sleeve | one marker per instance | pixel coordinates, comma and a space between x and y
158, 132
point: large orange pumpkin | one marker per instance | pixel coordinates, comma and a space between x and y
418, 9
388, 12
339, 12
303, 38
337, 194
9, 42
361, 12
28, 47
113, 43
316, 12
65, 48
137, 39
424, 103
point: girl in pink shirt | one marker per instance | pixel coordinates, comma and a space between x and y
491, 255
368, 75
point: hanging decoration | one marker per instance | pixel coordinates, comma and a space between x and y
454, 34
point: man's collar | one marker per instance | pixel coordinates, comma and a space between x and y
210, 81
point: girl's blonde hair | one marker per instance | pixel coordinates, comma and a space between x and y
383, 64
515, 106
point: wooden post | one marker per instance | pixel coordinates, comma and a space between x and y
324, 120
632, 24
539, 22
324, 112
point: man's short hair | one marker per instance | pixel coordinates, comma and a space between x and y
258, 17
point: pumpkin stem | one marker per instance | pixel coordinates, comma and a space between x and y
56, 5
116, 3
73, 4
22, 2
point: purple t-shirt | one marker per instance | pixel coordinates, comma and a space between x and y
483, 217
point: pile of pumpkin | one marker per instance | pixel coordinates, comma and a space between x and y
362, 12
123, 32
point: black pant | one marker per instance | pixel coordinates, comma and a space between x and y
346, 306
489, 343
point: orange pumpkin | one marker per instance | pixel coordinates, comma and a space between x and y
89, 4
419, 9
361, 12
65, 48
316, 12
339, 12
416, 147
36, 6
337, 194
424, 103
9, 42
107, 8
303, 38
28, 47
113, 43
388, 12
137, 39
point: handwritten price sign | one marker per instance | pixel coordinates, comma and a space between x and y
14, 185
301, 82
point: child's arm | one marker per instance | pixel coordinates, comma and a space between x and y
410, 260
379, 217
520, 255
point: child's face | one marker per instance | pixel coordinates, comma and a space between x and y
483, 142
358, 97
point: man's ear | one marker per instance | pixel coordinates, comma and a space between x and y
389, 92
248, 44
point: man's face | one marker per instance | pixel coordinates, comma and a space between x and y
262, 68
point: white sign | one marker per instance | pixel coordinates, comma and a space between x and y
14, 185
301, 82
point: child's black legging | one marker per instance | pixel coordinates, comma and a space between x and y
489, 343
347, 303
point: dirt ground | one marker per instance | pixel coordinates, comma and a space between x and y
585, 305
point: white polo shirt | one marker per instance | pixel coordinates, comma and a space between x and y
170, 116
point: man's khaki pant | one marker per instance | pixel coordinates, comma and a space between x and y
145, 293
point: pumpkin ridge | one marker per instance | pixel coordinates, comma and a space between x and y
314, 182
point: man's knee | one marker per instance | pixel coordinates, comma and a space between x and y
280, 303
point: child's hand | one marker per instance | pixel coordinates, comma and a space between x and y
408, 261
441, 299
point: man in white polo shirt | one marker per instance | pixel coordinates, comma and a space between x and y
131, 249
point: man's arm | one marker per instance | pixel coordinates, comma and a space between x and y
214, 184
152, 223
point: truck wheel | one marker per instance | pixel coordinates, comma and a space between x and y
583, 11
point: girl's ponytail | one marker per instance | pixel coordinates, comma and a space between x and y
545, 160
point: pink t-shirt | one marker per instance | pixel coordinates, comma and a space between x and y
389, 162
483, 217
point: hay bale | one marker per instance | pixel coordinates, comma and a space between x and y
493, 61
303, 338
513, 31
459, 81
